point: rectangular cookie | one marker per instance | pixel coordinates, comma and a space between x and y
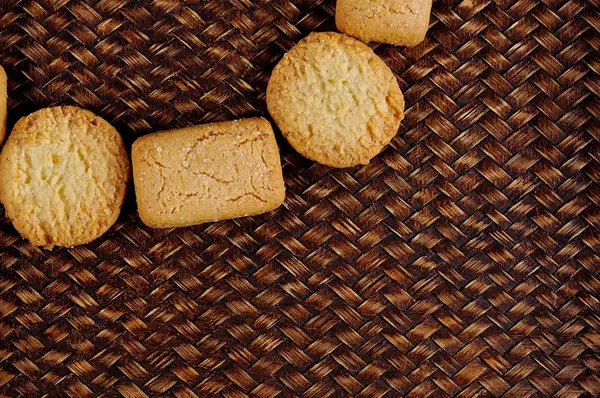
399, 22
207, 173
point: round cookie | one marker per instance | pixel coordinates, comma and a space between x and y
334, 100
63, 176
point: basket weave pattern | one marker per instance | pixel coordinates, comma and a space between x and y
462, 261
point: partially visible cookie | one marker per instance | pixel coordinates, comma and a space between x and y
3, 105
335, 101
63, 176
399, 22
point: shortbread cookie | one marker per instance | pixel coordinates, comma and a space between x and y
63, 176
334, 100
3, 105
207, 173
399, 22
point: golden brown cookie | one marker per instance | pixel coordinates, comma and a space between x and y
334, 100
399, 22
3, 105
63, 176
207, 173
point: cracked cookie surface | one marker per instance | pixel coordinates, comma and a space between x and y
63, 176
335, 101
399, 22
207, 173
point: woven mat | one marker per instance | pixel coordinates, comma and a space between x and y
462, 261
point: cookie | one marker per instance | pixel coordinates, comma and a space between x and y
3, 105
63, 176
334, 100
399, 22
207, 173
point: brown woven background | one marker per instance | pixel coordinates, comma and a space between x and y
463, 261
